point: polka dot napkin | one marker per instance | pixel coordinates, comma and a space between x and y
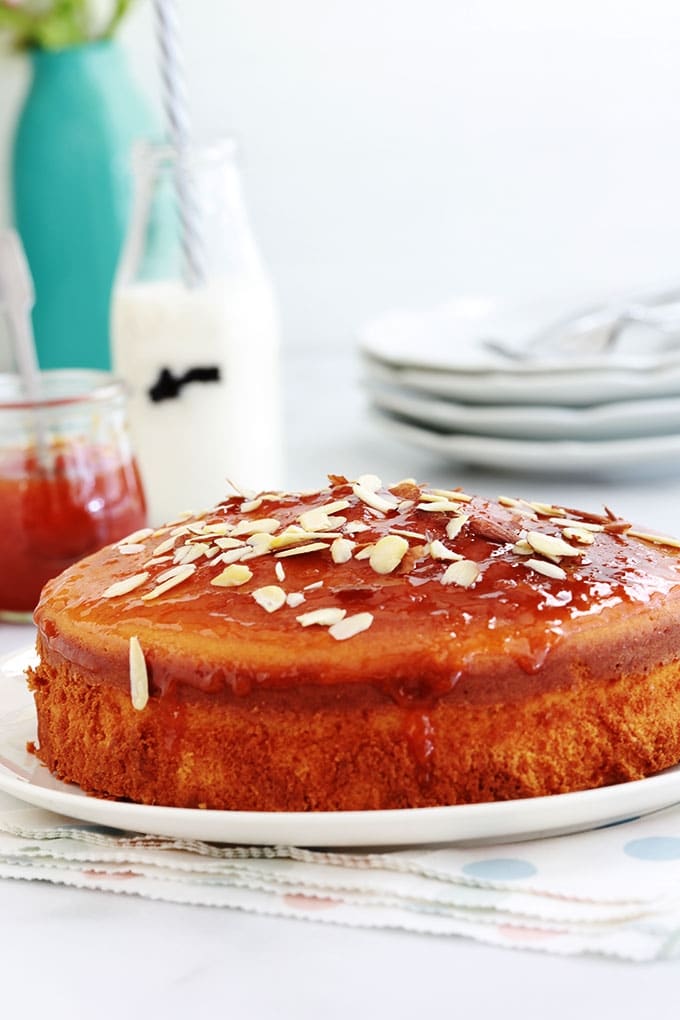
611, 891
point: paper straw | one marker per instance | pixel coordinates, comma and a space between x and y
176, 112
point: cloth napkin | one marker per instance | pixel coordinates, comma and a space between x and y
612, 891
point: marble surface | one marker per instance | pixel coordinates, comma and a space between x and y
74, 953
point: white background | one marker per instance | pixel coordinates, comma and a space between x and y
403, 151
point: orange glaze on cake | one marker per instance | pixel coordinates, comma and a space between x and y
521, 618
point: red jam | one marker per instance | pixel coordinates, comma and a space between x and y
59, 508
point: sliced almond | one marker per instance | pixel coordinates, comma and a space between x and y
189, 553
294, 599
319, 520
165, 547
229, 543
563, 522
409, 534
125, 586
439, 506
387, 554
373, 500
251, 504
551, 546
582, 535
131, 549
156, 561
365, 552
232, 576
234, 555
350, 626
354, 527
270, 597
453, 494
139, 677
370, 482
263, 524
136, 536
313, 586
646, 536
549, 569
183, 574
322, 617
341, 550
464, 573
438, 551
301, 550
523, 548
280, 572
545, 509
454, 526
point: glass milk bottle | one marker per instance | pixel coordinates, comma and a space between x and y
195, 333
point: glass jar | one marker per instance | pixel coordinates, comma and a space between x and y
195, 333
68, 480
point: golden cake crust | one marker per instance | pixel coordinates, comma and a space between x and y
510, 649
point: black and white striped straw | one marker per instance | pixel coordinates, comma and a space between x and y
177, 116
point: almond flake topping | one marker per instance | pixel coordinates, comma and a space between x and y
322, 617
319, 520
293, 535
251, 504
300, 550
545, 509
129, 549
365, 553
136, 536
295, 599
523, 548
551, 546
644, 536
266, 524
232, 576
271, 597
582, 535
372, 499
438, 551
455, 525
464, 573
183, 574
279, 571
189, 553
370, 482
233, 555
128, 584
439, 506
229, 543
139, 678
350, 626
341, 550
387, 553
165, 547
563, 522
549, 569
452, 494
155, 561
354, 527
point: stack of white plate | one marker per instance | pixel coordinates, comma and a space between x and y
465, 380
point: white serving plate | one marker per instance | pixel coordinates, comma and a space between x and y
22, 776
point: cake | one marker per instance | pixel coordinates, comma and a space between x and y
362, 647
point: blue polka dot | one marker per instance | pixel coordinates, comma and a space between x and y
654, 848
500, 868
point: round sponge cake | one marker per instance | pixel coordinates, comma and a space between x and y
363, 647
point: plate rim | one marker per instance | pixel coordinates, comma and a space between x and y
374, 829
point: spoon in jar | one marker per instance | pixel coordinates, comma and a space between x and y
17, 297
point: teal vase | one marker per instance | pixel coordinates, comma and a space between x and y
72, 183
